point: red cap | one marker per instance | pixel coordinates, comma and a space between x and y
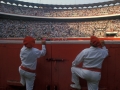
95, 41
29, 42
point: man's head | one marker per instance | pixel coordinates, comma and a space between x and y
29, 42
95, 42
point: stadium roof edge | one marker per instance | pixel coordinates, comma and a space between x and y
37, 18
53, 5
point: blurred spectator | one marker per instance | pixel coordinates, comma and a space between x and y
115, 9
38, 29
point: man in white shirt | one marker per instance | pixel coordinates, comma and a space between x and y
29, 56
92, 59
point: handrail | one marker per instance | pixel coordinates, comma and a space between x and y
59, 42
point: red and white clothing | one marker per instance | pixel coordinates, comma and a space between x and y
91, 58
29, 58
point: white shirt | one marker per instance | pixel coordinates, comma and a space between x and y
29, 56
91, 57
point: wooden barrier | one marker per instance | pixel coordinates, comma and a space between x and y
54, 69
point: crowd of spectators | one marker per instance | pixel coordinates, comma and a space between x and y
60, 12
37, 29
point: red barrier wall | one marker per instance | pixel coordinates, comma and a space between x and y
54, 69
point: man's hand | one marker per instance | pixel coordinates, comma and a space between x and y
43, 42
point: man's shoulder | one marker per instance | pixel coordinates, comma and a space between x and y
35, 49
86, 49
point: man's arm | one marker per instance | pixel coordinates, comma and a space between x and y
43, 51
105, 50
78, 59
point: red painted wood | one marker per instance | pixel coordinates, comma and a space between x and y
43, 74
13, 61
117, 69
111, 68
61, 70
56, 75
3, 66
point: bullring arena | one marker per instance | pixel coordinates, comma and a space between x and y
67, 30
